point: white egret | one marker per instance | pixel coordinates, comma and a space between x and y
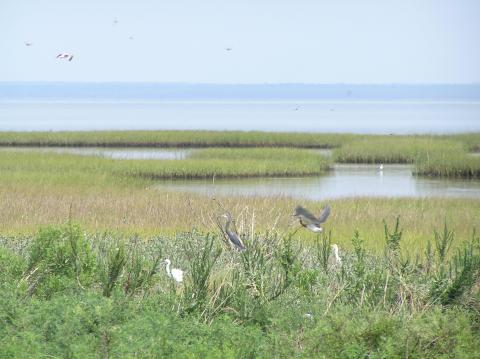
338, 260
309, 221
175, 273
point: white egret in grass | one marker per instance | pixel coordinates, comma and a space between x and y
232, 235
336, 256
65, 55
309, 221
175, 273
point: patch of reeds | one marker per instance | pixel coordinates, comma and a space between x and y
449, 164
67, 168
173, 139
388, 149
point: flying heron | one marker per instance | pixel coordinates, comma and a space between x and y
27, 43
309, 221
65, 55
175, 273
232, 236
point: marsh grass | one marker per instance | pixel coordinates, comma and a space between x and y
149, 212
437, 157
74, 169
386, 149
173, 139
449, 163
273, 299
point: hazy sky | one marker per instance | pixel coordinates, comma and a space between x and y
312, 41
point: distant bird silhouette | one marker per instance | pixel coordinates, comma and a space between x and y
228, 49
232, 236
28, 43
115, 21
309, 221
65, 55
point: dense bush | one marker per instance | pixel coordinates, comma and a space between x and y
75, 295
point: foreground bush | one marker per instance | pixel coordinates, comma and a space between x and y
74, 295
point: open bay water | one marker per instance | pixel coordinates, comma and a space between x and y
344, 180
340, 116
353, 108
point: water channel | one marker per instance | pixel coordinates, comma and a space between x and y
344, 180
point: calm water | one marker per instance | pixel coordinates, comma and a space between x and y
343, 181
287, 115
112, 152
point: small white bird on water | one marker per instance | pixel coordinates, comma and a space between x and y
380, 168
175, 273
338, 260
65, 55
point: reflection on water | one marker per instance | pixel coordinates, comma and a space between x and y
116, 153
343, 181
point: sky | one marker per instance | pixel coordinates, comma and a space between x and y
271, 41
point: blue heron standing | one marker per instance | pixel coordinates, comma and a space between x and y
233, 236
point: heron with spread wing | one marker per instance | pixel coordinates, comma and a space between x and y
309, 221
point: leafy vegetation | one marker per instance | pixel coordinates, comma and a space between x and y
279, 298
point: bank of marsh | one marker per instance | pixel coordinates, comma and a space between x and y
440, 156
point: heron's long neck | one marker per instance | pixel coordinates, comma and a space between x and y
227, 225
168, 270
335, 253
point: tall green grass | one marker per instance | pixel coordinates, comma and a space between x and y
394, 149
430, 157
206, 139
449, 164
64, 168
174, 138
69, 294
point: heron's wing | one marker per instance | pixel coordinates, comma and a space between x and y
235, 239
314, 227
324, 215
305, 215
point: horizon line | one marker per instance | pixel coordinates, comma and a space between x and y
252, 83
